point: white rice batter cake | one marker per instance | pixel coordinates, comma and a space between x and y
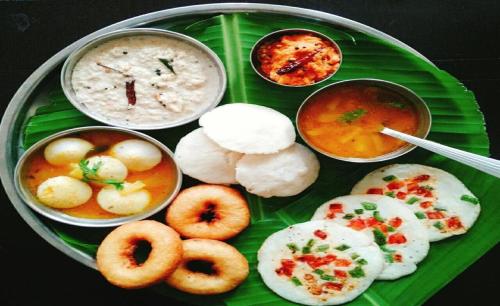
319, 263
397, 231
248, 128
282, 174
442, 203
204, 160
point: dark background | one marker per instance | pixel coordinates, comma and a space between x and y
459, 36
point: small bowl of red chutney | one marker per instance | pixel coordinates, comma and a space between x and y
296, 57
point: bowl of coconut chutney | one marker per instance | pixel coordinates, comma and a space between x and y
144, 79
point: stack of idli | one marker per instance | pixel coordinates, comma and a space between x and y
251, 145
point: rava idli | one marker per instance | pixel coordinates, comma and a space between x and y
442, 203
66, 150
131, 199
201, 158
248, 128
63, 192
102, 168
281, 174
136, 154
399, 234
319, 263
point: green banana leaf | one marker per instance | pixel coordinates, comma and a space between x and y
457, 122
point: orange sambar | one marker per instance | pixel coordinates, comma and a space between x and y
345, 121
160, 181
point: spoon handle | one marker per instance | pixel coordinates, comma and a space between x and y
485, 164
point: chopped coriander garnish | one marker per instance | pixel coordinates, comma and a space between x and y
349, 117
354, 255
327, 277
379, 237
438, 225
385, 249
390, 194
167, 63
359, 211
390, 229
348, 216
306, 250
377, 216
369, 205
319, 271
357, 272
322, 248
90, 174
420, 215
440, 209
470, 199
296, 281
428, 187
362, 261
310, 243
118, 185
389, 178
389, 258
412, 200
342, 247
293, 247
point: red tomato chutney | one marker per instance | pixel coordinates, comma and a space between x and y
298, 59
345, 121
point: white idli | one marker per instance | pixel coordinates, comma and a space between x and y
442, 203
130, 200
319, 263
281, 174
248, 128
400, 235
204, 160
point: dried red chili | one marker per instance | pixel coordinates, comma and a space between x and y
130, 91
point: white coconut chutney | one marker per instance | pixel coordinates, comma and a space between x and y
171, 80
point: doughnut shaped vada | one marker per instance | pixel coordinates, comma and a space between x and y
115, 255
209, 267
208, 211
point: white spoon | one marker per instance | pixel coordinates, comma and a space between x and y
485, 164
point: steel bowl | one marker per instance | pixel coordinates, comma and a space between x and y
75, 56
57, 215
254, 61
424, 117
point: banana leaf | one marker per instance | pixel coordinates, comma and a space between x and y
457, 122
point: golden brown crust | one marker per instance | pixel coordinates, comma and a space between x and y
115, 254
209, 211
230, 268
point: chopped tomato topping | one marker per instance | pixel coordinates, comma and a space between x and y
412, 186
434, 215
340, 273
401, 195
426, 204
395, 185
398, 257
454, 223
375, 191
423, 192
421, 178
342, 262
397, 238
287, 266
320, 234
372, 222
333, 209
315, 262
395, 222
333, 286
383, 228
357, 224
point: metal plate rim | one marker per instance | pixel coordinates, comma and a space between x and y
24, 91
